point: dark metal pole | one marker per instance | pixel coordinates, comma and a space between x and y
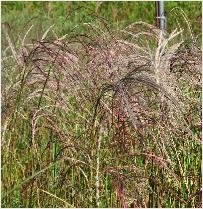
161, 22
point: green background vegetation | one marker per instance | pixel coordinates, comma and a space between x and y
67, 14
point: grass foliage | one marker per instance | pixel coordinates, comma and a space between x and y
102, 117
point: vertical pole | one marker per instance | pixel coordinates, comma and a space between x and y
161, 22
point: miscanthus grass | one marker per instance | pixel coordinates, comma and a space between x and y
102, 118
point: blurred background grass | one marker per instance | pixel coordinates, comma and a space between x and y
65, 15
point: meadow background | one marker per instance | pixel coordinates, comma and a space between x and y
56, 154
65, 15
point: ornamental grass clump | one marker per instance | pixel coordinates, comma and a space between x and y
102, 118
